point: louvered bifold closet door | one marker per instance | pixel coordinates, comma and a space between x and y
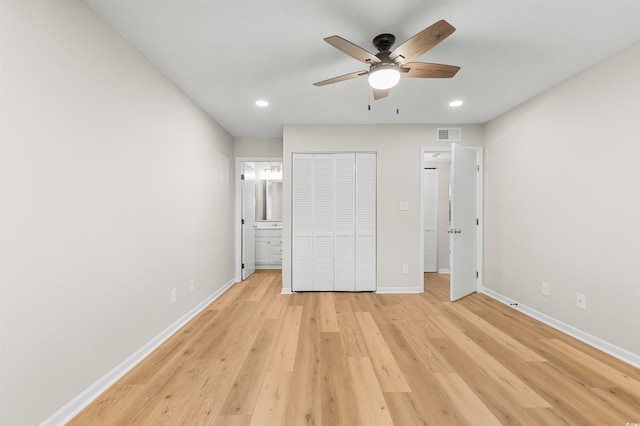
345, 222
323, 230
302, 222
365, 250
334, 222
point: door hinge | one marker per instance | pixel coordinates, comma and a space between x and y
242, 176
477, 222
478, 167
243, 266
242, 221
477, 274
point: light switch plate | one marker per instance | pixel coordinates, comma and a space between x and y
581, 301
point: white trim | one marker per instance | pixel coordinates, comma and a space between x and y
268, 266
444, 271
77, 404
399, 290
591, 340
238, 208
286, 291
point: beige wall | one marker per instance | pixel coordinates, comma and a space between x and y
114, 189
399, 163
562, 204
257, 147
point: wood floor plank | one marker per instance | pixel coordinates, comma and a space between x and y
175, 346
278, 307
283, 356
427, 400
204, 405
244, 392
596, 367
237, 420
103, 410
498, 398
405, 409
508, 342
389, 375
466, 401
305, 402
255, 355
271, 407
370, 403
194, 395
328, 317
503, 376
349, 331
338, 401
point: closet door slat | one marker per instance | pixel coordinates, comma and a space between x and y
345, 222
365, 253
323, 229
302, 222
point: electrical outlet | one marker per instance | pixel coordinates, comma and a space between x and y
405, 269
192, 286
545, 289
174, 295
581, 301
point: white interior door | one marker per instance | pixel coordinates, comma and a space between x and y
464, 175
248, 189
430, 209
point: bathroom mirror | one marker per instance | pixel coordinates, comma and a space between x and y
268, 200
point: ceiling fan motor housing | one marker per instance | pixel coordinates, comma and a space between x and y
383, 42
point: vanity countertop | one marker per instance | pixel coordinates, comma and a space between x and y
268, 225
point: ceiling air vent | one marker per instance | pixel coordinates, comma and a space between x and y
450, 134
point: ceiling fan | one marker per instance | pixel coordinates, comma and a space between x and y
386, 67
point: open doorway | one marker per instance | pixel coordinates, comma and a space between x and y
258, 215
451, 215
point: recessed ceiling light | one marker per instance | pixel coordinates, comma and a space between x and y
456, 103
262, 103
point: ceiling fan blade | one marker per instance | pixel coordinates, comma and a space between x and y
426, 70
352, 50
379, 94
423, 41
341, 78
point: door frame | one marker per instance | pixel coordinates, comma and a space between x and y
237, 215
479, 208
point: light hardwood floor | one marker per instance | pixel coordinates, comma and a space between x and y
256, 357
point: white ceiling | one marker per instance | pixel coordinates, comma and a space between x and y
225, 54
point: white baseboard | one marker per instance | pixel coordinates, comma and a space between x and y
286, 291
73, 407
591, 340
398, 290
268, 266
444, 271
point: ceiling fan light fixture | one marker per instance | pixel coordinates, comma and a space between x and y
384, 77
